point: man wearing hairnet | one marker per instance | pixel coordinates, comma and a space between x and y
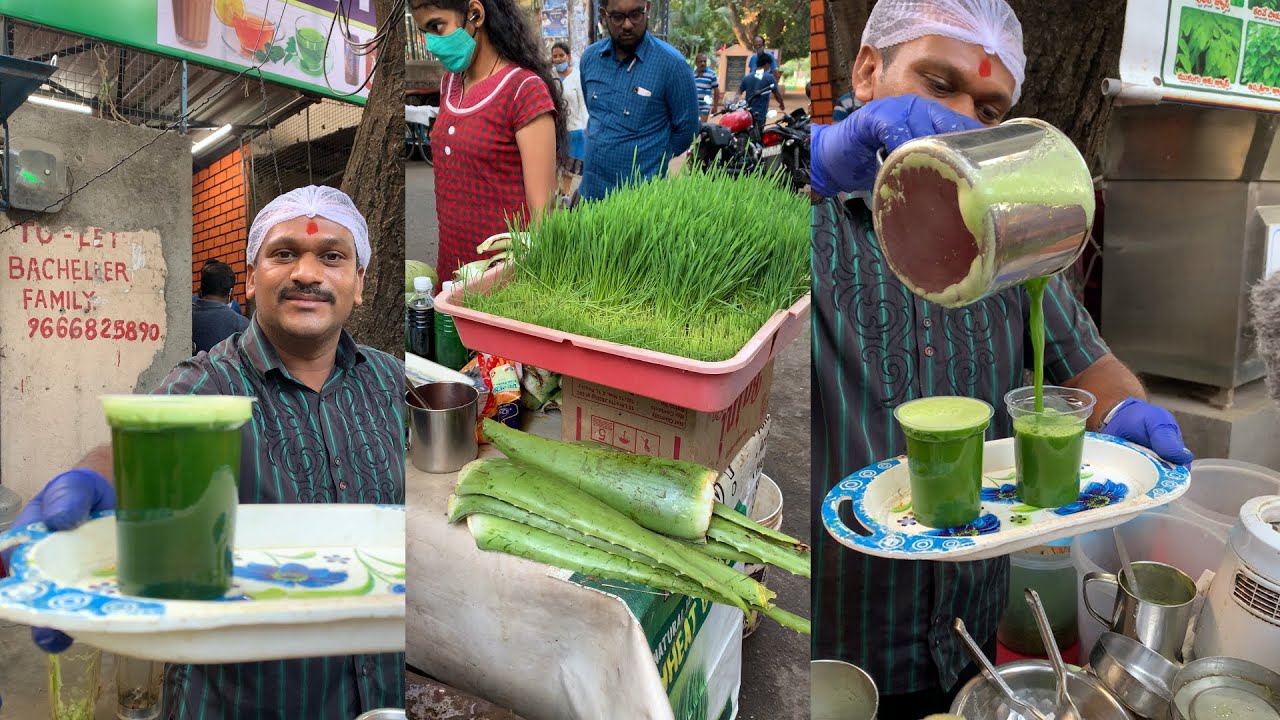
926, 68
327, 428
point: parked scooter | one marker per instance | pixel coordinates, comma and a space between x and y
785, 143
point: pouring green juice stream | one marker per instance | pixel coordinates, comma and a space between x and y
177, 465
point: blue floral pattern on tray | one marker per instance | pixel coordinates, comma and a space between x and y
1096, 495
259, 575
1119, 479
1006, 493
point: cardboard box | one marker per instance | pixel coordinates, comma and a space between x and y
628, 422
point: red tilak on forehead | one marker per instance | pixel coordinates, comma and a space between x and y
984, 68
312, 228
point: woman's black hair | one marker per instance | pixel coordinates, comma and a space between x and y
562, 47
518, 41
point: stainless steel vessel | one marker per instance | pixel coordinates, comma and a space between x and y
962, 216
442, 436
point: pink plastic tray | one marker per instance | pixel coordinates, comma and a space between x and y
693, 384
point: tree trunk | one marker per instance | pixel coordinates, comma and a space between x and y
374, 178
744, 16
1071, 48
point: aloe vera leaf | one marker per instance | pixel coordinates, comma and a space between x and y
670, 497
545, 495
723, 551
793, 561
499, 534
467, 505
790, 621
727, 513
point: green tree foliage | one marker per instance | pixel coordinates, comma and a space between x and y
699, 26
1273, 4
1208, 44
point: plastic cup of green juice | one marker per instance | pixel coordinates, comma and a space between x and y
944, 456
1049, 444
177, 476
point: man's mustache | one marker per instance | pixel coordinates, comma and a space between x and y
306, 292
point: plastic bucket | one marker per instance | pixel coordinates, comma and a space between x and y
1051, 573
1187, 544
765, 509
1219, 488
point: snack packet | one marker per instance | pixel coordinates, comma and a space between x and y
502, 378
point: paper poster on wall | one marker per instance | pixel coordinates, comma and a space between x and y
555, 19
292, 42
1215, 52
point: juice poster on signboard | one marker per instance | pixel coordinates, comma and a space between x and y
297, 40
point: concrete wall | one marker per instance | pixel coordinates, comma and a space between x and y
119, 250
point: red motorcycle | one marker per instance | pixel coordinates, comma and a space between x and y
734, 142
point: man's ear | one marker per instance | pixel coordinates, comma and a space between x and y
865, 67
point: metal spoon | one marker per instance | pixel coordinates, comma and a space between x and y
1066, 709
1022, 707
413, 389
1125, 563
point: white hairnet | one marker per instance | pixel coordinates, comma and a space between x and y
329, 203
988, 23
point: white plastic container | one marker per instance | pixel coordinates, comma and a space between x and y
1219, 488
1190, 545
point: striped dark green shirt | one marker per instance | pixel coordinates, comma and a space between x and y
875, 346
344, 444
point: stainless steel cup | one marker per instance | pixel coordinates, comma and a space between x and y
841, 691
442, 436
964, 215
1161, 626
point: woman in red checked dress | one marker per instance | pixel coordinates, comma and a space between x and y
497, 138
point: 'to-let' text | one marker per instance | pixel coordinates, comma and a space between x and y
81, 328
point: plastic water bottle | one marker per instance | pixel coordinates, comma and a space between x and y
450, 352
420, 319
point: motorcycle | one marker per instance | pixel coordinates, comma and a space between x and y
733, 143
785, 143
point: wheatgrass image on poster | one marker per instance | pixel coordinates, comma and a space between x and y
1269, 4
1208, 44
1261, 55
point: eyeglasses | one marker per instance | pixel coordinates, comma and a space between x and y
635, 16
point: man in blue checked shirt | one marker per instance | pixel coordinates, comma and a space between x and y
640, 98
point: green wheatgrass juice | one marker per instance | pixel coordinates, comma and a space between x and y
944, 457
177, 466
1048, 445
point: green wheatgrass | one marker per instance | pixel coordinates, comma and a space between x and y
691, 265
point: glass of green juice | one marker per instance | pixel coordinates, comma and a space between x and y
1049, 444
944, 456
311, 43
177, 476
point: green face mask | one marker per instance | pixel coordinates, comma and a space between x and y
454, 50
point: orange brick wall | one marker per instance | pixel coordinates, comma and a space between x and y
820, 64
220, 229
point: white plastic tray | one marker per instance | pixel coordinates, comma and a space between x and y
310, 580
1117, 481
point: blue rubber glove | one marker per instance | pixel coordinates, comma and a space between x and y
1149, 426
63, 504
843, 156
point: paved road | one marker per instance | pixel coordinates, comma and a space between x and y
775, 667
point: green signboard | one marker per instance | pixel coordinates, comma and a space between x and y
291, 42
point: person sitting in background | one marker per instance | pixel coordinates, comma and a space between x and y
212, 319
